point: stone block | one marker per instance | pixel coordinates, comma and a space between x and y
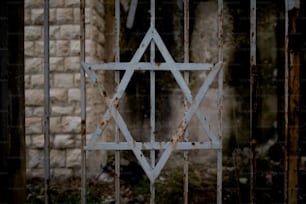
34, 97
38, 111
57, 158
56, 3
70, 32
63, 80
72, 4
35, 158
64, 141
28, 111
52, 48
64, 15
29, 49
39, 48
27, 81
76, 15
58, 96
38, 141
27, 16
52, 16
54, 32
62, 48
33, 65
37, 81
71, 124
73, 158
33, 125
61, 110
35, 173
37, 16
33, 3
61, 173
56, 64
75, 47
28, 141
74, 95
56, 125
32, 32
72, 64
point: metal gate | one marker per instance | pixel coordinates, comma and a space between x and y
179, 141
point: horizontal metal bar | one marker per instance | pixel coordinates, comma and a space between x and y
143, 66
153, 146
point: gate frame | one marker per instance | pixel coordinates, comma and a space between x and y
190, 109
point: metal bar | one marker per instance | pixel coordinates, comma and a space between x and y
152, 102
286, 104
153, 146
252, 67
83, 102
220, 100
117, 81
186, 77
151, 66
131, 15
46, 102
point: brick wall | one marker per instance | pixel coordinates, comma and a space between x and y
64, 82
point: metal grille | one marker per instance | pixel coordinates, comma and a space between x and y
179, 141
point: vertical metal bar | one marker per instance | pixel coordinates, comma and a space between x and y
46, 101
117, 80
83, 102
286, 104
252, 86
186, 78
220, 100
152, 102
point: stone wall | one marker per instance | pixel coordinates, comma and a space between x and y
64, 37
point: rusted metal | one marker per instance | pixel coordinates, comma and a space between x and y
117, 81
152, 102
252, 99
46, 102
220, 100
286, 104
179, 141
186, 78
292, 140
83, 102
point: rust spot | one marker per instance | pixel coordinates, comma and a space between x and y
83, 127
104, 93
157, 64
253, 142
102, 123
116, 103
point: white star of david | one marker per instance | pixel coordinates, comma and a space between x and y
112, 103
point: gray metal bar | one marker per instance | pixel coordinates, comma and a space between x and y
220, 100
186, 77
286, 102
117, 81
152, 102
252, 65
131, 15
83, 102
46, 102
151, 66
153, 146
